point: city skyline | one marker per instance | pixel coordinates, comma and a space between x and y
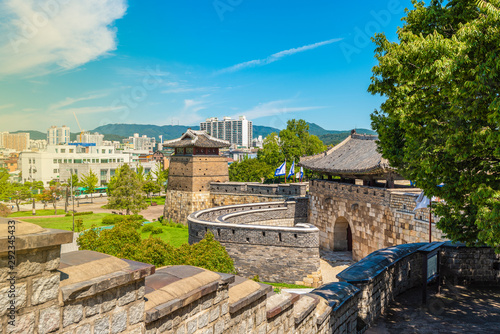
173, 63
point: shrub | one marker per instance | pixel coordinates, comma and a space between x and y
160, 219
114, 219
4, 210
79, 225
180, 226
148, 228
157, 230
83, 213
155, 251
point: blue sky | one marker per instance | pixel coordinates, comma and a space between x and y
179, 62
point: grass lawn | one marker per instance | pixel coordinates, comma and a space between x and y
159, 200
174, 235
39, 212
66, 223
287, 286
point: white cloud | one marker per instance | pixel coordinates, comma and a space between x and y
273, 108
6, 106
276, 56
41, 37
69, 101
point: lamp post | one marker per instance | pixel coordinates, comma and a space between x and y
73, 200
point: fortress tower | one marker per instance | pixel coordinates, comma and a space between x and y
194, 165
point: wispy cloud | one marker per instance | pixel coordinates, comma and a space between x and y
57, 35
69, 101
6, 106
273, 108
276, 56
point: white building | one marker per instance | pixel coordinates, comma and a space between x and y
38, 144
57, 136
237, 131
143, 143
46, 165
88, 137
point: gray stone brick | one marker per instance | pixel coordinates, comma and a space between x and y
23, 325
119, 322
20, 298
84, 329
49, 319
44, 289
72, 314
127, 294
136, 313
101, 326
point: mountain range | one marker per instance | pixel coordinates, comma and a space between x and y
120, 131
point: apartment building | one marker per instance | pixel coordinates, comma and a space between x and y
238, 132
58, 135
15, 141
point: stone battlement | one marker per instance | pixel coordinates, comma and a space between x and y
89, 292
290, 189
271, 240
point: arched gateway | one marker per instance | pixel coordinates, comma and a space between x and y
342, 235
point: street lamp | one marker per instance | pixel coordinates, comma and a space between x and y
73, 200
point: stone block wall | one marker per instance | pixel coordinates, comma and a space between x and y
466, 265
180, 204
274, 253
378, 217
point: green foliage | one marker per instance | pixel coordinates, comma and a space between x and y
16, 193
147, 228
114, 219
255, 278
83, 213
250, 170
157, 230
124, 241
440, 120
90, 182
51, 194
4, 210
78, 225
291, 144
127, 193
150, 187
208, 254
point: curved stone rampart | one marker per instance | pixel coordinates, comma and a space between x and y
256, 241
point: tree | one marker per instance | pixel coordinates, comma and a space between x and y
17, 193
51, 195
160, 175
250, 170
127, 193
90, 182
271, 152
297, 142
150, 187
440, 121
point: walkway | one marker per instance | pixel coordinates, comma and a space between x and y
457, 309
332, 263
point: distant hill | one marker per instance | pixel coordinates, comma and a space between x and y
121, 131
35, 135
264, 131
126, 130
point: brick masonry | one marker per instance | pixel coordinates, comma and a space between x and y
377, 217
198, 301
285, 253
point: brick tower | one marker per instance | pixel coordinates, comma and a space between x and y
195, 163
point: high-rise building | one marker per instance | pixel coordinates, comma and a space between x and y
15, 141
57, 136
236, 131
87, 137
143, 143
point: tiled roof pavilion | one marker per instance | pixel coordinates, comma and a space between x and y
193, 138
356, 156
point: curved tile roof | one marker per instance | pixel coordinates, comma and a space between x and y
357, 154
196, 138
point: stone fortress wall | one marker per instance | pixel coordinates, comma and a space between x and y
180, 203
377, 217
89, 292
271, 240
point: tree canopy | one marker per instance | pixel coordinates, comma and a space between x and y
90, 182
440, 121
126, 191
292, 143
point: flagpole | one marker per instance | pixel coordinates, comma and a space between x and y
430, 220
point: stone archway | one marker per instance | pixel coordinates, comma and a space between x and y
342, 235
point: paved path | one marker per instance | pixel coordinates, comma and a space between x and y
332, 263
458, 309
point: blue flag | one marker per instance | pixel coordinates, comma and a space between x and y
301, 173
292, 170
281, 170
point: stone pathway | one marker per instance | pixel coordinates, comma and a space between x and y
332, 263
457, 309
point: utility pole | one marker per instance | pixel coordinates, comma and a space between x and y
73, 198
